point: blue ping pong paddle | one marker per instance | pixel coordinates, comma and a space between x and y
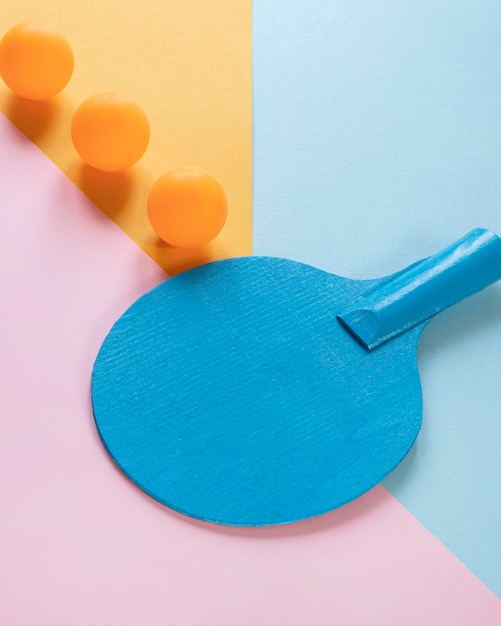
259, 390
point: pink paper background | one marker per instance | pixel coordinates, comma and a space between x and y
81, 545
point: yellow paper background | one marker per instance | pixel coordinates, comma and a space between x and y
188, 64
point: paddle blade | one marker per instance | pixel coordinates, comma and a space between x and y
232, 393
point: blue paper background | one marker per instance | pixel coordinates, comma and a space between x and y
377, 141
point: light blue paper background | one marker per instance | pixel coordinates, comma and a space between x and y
377, 141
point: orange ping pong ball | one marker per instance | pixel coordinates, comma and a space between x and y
110, 131
36, 61
187, 207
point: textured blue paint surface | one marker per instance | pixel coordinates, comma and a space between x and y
232, 394
377, 141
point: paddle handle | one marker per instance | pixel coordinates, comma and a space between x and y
425, 288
